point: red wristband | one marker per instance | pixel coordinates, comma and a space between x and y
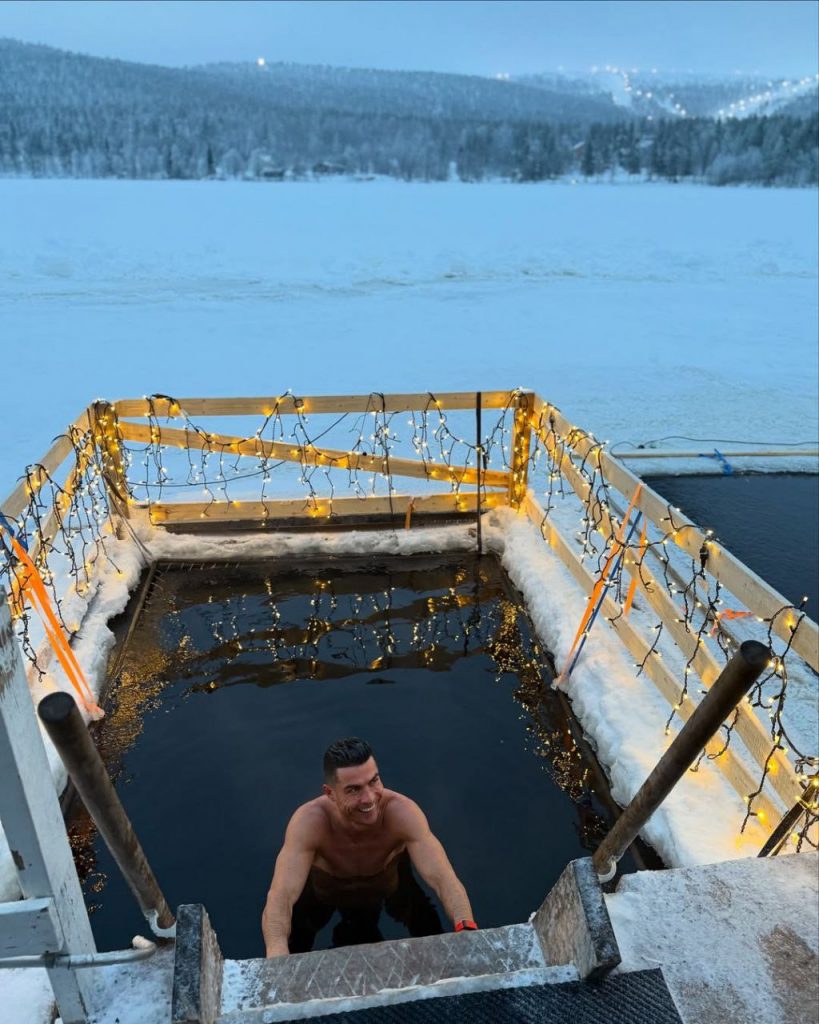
465, 925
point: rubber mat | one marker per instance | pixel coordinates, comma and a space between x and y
640, 997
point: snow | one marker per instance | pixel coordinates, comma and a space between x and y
124, 994
639, 310
642, 311
624, 717
736, 941
317, 1008
26, 996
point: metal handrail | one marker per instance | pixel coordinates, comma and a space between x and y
69, 734
141, 949
728, 690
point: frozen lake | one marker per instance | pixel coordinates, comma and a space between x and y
641, 310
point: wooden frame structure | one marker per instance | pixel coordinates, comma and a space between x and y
100, 433
51, 917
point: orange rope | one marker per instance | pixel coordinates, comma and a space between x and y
601, 579
32, 586
728, 613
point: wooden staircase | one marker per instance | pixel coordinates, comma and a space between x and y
568, 940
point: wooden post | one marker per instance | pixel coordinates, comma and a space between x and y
479, 467
36, 832
521, 444
736, 679
69, 734
107, 439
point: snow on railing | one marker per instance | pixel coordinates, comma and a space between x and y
689, 589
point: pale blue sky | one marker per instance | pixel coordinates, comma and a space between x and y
776, 37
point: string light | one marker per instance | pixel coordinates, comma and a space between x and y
577, 456
63, 527
444, 454
66, 525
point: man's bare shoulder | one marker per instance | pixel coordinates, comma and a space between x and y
310, 821
404, 815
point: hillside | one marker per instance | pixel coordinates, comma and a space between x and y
65, 114
652, 94
409, 94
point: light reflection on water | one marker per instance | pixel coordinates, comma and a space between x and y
236, 678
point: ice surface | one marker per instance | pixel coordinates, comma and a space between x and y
639, 310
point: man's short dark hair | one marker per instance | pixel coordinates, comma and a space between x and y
346, 753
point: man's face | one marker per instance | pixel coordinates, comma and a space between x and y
357, 792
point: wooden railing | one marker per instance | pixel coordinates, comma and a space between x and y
492, 483
756, 596
517, 461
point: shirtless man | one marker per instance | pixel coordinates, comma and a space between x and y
349, 849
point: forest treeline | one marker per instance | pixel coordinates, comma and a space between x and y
122, 144
66, 115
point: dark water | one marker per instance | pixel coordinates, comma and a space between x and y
769, 521
236, 679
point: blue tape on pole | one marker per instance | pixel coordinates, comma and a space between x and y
12, 529
727, 468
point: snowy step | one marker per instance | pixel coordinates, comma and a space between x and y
570, 937
383, 973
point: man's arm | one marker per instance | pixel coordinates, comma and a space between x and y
431, 862
292, 867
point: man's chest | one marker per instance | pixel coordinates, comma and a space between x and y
357, 856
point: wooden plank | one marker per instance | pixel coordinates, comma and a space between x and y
168, 513
310, 404
17, 501
675, 577
333, 458
39, 546
749, 588
750, 729
34, 826
729, 764
29, 928
106, 436
521, 446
